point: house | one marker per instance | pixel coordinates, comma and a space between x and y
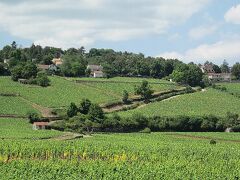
96, 71
98, 74
40, 125
57, 61
6, 61
207, 68
43, 67
23, 81
219, 76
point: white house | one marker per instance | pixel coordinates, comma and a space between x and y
98, 74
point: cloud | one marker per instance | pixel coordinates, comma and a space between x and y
202, 31
233, 15
217, 52
66, 23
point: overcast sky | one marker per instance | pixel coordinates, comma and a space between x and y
191, 30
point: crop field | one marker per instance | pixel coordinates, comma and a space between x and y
210, 102
13, 129
231, 87
122, 156
14, 106
62, 92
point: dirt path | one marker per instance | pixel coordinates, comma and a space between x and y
46, 112
201, 137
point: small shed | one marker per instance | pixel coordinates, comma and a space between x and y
40, 125
98, 74
43, 67
23, 81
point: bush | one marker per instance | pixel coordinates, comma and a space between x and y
146, 130
33, 117
72, 110
42, 79
125, 97
213, 142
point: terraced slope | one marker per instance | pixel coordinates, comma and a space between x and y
201, 103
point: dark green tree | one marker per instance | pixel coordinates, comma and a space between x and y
72, 110
42, 79
85, 106
96, 113
236, 70
144, 90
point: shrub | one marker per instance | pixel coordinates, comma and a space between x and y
42, 79
96, 113
84, 106
125, 97
72, 110
213, 142
33, 117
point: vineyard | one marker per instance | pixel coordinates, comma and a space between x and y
62, 91
122, 156
14, 105
197, 104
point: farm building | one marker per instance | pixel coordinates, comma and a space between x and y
98, 74
40, 125
57, 61
43, 67
207, 68
219, 76
95, 68
96, 71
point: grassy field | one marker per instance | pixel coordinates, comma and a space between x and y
21, 129
201, 103
62, 92
122, 156
231, 87
14, 105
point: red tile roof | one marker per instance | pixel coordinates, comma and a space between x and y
40, 123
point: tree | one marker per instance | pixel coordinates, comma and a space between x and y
216, 68
29, 71
85, 106
125, 97
236, 70
42, 79
225, 67
16, 72
72, 110
232, 119
96, 113
144, 90
2, 69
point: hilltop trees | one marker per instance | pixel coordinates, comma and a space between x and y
236, 70
188, 74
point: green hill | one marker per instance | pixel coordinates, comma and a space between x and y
201, 103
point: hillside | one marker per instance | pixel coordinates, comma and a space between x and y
64, 91
209, 102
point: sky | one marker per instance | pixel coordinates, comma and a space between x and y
190, 30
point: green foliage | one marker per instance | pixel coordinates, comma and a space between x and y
33, 117
188, 74
196, 104
85, 106
42, 79
72, 110
236, 70
125, 97
144, 90
96, 113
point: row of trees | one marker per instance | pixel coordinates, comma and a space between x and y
89, 117
76, 61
